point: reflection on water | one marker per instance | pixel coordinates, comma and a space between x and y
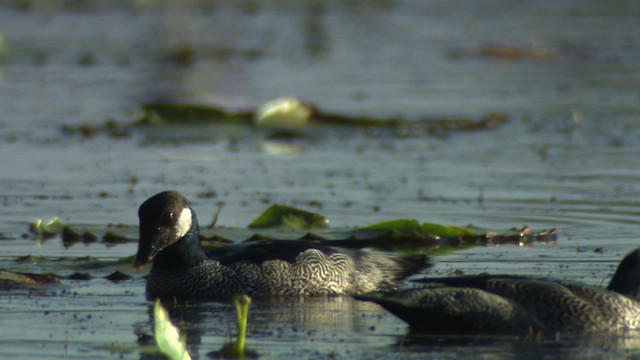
315, 319
332, 314
498, 347
331, 321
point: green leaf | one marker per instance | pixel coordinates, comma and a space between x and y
47, 228
405, 225
445, 230
161, 112
167, 336
242, 308
13, 280
284, 112
289, 217
410, 226
237, 349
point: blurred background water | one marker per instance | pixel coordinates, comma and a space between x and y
566, 73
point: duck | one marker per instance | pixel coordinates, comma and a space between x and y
517, 305
181, 269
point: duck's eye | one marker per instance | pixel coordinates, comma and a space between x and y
168, 217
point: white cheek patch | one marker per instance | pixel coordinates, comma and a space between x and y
183, 224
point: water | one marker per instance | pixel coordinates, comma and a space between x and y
567, 159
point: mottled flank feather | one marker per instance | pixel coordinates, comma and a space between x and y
275, 268
494, 304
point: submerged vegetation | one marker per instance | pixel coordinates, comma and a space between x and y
287, 115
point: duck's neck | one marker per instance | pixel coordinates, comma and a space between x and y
184, 253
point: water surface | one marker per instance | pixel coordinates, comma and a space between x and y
567, 159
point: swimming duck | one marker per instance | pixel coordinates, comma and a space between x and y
502, 304
169, 237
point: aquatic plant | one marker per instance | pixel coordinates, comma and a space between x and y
43, 229
167, 336
288, 217
242, 308
284, 112
237, 349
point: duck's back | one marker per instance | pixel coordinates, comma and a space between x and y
260, 271
511, 305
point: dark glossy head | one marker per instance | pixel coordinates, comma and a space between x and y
626, 280
164, 219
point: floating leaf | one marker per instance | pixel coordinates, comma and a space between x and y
112, 238
80, 276
117, 276
166, 112
289, 217
447, 126
406, 226
285, 112
524, 236
46, 228
71, 236
410, 235
14, 280
167, 335
31, 259
92, 263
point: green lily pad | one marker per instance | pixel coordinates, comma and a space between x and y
409, 236
112, 238
286, 116
410, 226
167, 112
284, 216
17, 280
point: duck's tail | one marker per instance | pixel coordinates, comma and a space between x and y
411, 264
381, 272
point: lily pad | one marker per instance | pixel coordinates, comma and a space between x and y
410, 235
284, 216
117, 276
285, 112
410, 226
177, 113
17, 280
289, 115
112, 238
70, 237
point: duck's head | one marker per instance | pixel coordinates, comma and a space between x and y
165, 218
626, 279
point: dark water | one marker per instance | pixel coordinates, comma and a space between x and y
568, 158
